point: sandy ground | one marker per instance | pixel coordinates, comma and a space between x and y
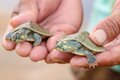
13, 67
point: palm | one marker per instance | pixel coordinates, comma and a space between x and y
59, 17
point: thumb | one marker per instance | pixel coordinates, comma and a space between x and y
107, 30
26, 10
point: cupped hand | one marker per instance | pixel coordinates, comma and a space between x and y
60, 17
105, 33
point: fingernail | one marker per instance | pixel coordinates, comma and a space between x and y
100, 35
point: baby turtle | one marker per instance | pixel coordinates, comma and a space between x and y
80, 44
28, 31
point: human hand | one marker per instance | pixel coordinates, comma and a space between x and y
61, 17
105, 31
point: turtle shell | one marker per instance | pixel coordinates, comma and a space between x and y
34, 27
83, 38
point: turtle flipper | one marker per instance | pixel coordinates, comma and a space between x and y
91, 59
37, 38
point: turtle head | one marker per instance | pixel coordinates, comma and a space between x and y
9, 36
65, 46
16, 36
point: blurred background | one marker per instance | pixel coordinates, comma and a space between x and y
13, 67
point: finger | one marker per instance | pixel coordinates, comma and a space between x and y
27, 12
8, 45
38, 53
108, 58
53, 40
23, 49
107, 30
58, 57
54, 56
